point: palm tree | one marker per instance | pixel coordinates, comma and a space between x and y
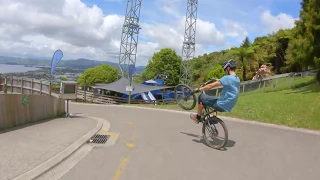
244, 54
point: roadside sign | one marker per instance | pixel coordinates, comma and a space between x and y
25, 100
129, 88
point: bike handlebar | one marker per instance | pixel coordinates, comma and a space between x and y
208, 82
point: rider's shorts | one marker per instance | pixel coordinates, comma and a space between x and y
209, 101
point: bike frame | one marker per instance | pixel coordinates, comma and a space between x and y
208, 110
208, 117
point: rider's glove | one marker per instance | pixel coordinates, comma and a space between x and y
196, 90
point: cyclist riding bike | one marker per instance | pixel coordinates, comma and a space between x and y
229, 96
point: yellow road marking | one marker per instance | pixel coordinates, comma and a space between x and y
131, 123
125, 161
130, 145
123, 164
112, 135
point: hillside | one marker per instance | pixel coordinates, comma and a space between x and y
77, 64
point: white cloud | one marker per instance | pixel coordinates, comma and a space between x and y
233, 29
171, 6
172, 35
208, 34
37, 27
274, 23
72, 27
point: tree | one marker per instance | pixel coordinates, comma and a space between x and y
245, 53
278, 43
63, 79
305, 46
287, 50
166, 60
262, 50
99, 74
216, 73
246, 42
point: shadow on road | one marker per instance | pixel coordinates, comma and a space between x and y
230, 142
76, 115
25, 126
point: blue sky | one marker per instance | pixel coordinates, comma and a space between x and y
92, 28
244, 11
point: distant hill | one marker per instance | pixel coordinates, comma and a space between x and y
77, 64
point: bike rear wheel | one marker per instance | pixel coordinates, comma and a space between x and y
185, 97
210, 124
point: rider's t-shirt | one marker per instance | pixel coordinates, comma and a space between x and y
230, 92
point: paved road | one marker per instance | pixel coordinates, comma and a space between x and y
167, 146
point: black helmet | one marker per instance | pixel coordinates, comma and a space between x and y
231, 63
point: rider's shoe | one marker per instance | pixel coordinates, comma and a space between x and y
213, 120
193, 116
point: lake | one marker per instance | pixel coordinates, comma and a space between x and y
5, 68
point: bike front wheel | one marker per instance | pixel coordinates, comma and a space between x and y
210, 128
185, 97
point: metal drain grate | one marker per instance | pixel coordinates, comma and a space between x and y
99, 139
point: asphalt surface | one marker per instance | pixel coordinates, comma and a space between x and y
168, 146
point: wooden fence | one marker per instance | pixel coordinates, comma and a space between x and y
106, 99
14, 85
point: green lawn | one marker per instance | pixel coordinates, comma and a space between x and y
285, 83
298, 107
295, 108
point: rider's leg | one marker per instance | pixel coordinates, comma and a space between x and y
200, 108
196, 117
217, 108
204, 99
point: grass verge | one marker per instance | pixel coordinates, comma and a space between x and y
294, 108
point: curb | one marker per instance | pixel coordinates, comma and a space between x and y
230, 119
42, 168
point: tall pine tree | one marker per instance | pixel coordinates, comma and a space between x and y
305, 47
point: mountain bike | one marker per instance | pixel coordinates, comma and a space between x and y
208, 119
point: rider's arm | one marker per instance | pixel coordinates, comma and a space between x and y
210, 86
